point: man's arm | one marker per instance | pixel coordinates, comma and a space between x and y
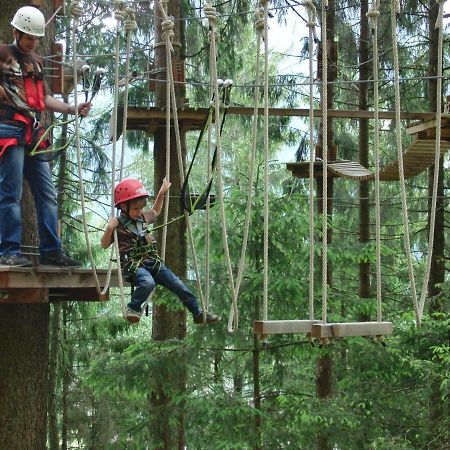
52, 104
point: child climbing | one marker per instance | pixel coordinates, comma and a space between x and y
141, 263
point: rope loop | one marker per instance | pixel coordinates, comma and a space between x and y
130, 22
259, 20
211, 14
76, 10
167, 32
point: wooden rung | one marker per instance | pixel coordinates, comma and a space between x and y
339, 330
283, 326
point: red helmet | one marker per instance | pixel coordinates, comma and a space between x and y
128, 189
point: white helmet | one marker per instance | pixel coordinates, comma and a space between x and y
29, 20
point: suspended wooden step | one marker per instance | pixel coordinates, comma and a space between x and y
266, 327
44, 284
349, 329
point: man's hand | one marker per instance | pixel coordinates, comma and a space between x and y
84, 108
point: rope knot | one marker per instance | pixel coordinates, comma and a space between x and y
373, 15
259, 20
130, 22
76, 10
211, 14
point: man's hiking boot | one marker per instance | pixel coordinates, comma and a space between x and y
132, 316
58, 258
15, 260
209, 318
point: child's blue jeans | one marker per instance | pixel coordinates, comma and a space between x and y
146, 279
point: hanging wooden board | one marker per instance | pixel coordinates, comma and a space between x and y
266, 327
349, 329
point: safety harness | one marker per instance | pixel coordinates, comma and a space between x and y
143, 253
34, 88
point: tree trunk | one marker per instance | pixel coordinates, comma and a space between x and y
364, 211
167, 432
23, 376
23, 328
55, 320
324, 364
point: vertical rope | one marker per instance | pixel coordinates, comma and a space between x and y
130, 26
311, 25
324, 162
265, 5
180, 160
373, 16
120, 15
437, 155
167, 36
395, 8
259, 26
77, 12
211, 14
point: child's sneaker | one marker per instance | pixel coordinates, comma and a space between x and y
209, 318
132, 316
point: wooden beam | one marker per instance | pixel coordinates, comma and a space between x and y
348, 329
424, 126
88, 294
283, 326
23, 295
195, 114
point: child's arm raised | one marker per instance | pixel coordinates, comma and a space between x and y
107, 237
159, 201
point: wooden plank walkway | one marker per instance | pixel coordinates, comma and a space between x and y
417, 158
43, 284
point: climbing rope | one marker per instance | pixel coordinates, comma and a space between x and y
233, 317
395, 9
167, 36
324, 162
373, 16
312, 23
265, 5
163, 4
77, 12
437, 155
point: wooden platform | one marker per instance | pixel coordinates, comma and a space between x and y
149, 119
266, 327
417, 158
48, 284
349, 329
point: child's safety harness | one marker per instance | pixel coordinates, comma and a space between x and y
34, 89
143, 253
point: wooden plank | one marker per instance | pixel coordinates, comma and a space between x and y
52, 277
142, 113
282, 326
349, 329
23, 295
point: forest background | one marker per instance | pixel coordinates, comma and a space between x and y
169, 384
